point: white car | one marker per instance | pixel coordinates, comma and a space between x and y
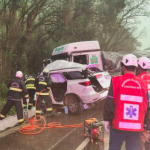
77, 85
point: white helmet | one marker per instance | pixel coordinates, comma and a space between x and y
19, 74
129, 60
144, 62
45, 71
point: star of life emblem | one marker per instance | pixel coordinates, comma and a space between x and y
131, 111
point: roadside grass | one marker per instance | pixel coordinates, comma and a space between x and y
3, 101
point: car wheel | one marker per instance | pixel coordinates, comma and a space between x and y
74, 105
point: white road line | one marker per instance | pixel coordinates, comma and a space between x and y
83, 144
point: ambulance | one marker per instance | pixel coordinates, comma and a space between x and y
87, 52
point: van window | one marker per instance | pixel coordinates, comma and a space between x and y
81, 59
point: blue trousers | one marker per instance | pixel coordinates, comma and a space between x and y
147, 144
117, 137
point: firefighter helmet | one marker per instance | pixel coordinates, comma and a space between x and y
144, 62
19, 74
129, 60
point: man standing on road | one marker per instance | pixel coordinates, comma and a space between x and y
43, 86
17, 90
125, 107
143, 66
30, 85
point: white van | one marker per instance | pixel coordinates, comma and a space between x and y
87, 52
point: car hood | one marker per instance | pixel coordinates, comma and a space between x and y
62, 64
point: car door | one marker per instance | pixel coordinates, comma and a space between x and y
58, 88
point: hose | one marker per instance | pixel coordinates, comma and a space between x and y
30, 129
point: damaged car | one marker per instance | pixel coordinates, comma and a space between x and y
77, 86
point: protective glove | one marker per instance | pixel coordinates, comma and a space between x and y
27, 100
107, 126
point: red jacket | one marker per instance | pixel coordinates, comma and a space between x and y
146, 76
130, 100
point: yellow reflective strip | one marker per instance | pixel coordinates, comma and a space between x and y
38, 111
29, 85
24, 104
2, 116
31, 88
20, 120
30, 79
26, 96
16, 89
49, 109
44, 83
42, 93
30, 104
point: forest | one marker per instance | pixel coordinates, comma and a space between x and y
31, 29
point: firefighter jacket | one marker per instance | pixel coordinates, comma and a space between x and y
146, 76
43, 82
130, 100
30, 83
17, 89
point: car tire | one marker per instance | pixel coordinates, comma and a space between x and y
74, 105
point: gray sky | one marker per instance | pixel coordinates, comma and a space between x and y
145, 40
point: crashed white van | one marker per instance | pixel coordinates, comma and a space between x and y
87, 52
77, 85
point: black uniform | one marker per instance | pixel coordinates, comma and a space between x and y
17, 90
43, 82
30, 85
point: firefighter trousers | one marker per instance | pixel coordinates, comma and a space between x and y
18, 107
31, 93
48, 103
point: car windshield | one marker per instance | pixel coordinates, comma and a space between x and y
64, 56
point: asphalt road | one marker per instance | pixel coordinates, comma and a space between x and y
55, 138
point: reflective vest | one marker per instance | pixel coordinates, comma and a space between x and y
30, 83
130, 102
146, 76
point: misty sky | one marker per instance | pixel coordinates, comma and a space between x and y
145, 40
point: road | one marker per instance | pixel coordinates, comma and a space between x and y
55, 138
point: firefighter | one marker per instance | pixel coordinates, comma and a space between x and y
125, 106
17, 90
30, 85
43, 82
143, 66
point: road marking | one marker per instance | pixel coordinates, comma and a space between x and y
83, 144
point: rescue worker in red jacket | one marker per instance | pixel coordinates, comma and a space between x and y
17, 90
125, 107
43, 83
30, 85
143, 66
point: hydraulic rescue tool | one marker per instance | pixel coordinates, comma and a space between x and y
94, 129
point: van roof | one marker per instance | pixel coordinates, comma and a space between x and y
77, 46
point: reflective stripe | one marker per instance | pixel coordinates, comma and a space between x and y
44, 83
2, 116
127, 125
49, 109
29, 85
38, 93
26, 96
30, 104
148, 86
20, 120
38, 111
24, 104
31, 88
131, 98
30, 79
16, 89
